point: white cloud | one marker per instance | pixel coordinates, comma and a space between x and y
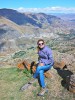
48, 10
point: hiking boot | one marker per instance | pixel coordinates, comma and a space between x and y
32, 81
43, 91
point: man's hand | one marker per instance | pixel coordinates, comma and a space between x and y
41, 64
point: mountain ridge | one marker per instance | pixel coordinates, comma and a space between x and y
43, 22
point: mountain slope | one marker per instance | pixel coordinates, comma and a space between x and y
17, 17
37, 22
4, 21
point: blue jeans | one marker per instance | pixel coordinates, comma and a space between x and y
40, 72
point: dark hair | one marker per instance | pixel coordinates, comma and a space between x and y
40, 40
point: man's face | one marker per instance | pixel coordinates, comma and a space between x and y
41, 44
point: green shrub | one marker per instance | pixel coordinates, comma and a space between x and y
19, 54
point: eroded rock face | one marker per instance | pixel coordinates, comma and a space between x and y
65, 59
70, 80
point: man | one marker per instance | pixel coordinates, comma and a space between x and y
45, 62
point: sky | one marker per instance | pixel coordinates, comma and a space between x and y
48, 6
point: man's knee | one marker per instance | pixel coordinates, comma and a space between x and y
41, 72
38, 68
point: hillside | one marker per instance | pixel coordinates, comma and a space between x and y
67, 17
37, 22
70, 16
19, 33
9, 26
22, 30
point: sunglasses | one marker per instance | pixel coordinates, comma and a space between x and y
40, 43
